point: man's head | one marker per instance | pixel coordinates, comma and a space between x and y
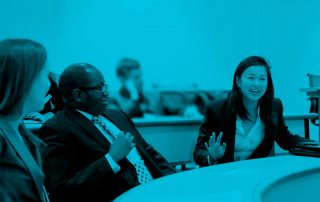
83, 87
129, 69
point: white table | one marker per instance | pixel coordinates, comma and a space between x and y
283, 178
175, 137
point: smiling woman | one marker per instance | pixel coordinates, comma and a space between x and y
248, 122
253, 83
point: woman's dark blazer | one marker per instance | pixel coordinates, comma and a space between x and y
220, 118
21, 177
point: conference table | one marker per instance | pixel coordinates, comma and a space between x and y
175, 136
282, 178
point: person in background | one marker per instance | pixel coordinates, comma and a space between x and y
247, 123
94, 152
130, 97
53, 102
24, 84
195, 105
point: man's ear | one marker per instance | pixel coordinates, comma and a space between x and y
77, 95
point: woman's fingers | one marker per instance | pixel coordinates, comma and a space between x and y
212, 139
219, 138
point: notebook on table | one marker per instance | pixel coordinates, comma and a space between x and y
306, 149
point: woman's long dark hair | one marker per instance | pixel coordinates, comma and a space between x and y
21, 60
265, 102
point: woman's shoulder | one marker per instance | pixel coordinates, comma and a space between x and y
277, 104
277, 101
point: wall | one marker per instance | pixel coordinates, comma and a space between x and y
185, 41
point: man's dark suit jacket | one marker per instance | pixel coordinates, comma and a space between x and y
16, 174
75, 165
220, 118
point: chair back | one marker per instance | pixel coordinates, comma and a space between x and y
314, 80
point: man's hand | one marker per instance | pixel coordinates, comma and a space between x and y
121, 147
134, 94
215, 150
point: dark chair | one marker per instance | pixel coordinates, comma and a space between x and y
314, 81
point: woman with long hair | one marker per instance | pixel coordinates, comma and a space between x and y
247, 123
23, 86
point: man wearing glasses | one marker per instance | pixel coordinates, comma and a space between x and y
94, 153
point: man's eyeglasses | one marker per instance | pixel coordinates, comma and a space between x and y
103, 87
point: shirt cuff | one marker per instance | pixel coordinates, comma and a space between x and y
115, 167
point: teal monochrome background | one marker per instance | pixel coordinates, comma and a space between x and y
179, 43
195, 41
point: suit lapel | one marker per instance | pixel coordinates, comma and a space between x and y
124, 124
26, 157
264, 148
94, 132
118, 121
35, 144
229, 136
83, 122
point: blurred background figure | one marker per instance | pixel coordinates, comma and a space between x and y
187, 103
195, 107
130, 97
53, 102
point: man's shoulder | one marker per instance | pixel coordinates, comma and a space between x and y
59, 120
58, 126
59, 116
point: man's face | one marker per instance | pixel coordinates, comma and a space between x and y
96, 94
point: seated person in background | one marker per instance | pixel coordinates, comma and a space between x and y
94, 153
179, 103
53, 102
195, 108
246, 124
130, 98
192, 111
